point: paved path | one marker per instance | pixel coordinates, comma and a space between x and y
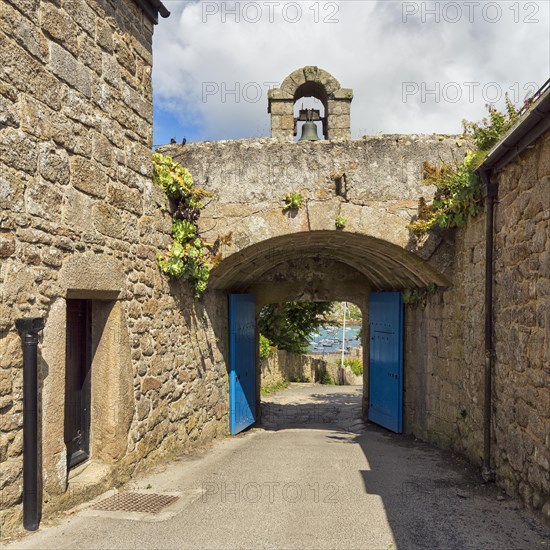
313, 477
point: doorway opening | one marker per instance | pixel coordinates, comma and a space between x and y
78, 381
311, 348
312, 342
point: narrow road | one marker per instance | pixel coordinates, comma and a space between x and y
312, 477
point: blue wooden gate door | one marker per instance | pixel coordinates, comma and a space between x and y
242, 361
386, 360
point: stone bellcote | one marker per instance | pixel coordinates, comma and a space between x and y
310, 82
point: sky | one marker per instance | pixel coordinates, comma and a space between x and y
414, 67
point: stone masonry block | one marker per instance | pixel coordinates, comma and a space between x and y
107, 220
57, 24
18, 150
125, 198
15, 25
287, 122
124, 53
18, 64
336, 107
104, 35
111, 70
29, 7
82, 14
282, 108
44, 200
89, 53
344, 93
88, 176
138, 158
9, 113
69, 69
53, 164
102, 150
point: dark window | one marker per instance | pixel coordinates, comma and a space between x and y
77, 381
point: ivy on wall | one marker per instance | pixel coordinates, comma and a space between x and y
418, 296
189, 256
458, 192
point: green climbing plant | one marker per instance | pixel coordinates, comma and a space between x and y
189, 256
458, 192
418, 296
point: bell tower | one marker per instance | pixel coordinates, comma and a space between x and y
313, 82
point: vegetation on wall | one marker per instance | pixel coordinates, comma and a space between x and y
418, 296
340, 222
189, 256
289, 325
293, 201
458, 192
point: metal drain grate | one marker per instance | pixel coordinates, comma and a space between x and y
148, 503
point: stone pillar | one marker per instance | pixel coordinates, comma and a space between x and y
281, 107
338, 115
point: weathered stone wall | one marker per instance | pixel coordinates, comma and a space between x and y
80, 218
374, 183
291, 367
445, 355
522, 326
444, 351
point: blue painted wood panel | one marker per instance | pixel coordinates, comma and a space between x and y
386, 360
242, 361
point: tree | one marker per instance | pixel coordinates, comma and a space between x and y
289, 325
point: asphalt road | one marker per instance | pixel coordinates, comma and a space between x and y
313, 477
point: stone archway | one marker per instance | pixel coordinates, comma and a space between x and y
324, 266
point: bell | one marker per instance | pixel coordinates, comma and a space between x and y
309, 132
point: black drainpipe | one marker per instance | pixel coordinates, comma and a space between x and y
28, 329
491, 194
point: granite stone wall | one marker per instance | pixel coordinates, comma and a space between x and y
80, 218
445, 352
522, 326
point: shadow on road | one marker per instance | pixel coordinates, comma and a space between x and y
432, 498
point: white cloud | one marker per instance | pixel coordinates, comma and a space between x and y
374, 48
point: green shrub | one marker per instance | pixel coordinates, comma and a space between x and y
325, 377
288, 326
340, 222
266, 347
458, 192
355, 365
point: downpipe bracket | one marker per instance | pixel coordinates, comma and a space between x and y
488, 475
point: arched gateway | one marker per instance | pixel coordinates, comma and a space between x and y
373, 184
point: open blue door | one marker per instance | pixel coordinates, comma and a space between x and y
242, 361
386, 360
